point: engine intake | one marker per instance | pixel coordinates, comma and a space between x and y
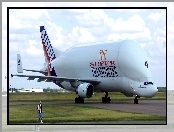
85, 90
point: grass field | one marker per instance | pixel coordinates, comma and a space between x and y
35, 97
73, 113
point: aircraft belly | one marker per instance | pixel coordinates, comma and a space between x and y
67, 86
106, 85
109, 85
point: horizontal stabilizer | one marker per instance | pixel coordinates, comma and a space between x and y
19, 64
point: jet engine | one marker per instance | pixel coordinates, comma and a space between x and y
85, 90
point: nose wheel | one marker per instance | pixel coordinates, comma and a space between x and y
106, 99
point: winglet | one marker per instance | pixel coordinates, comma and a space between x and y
19, 64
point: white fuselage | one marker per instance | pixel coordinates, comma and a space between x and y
120, 66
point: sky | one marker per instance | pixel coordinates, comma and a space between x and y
68, 27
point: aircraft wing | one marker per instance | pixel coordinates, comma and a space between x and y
59, 79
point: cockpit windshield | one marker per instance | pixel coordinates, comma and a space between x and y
147, 83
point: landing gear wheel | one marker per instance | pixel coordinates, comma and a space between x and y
79, 100
106, 99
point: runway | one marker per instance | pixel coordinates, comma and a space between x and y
152, 107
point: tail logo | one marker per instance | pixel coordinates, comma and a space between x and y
19, 62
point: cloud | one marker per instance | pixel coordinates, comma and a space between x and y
17, 37
55, 33
144, 36
32, 50
85, 36
91, 18
79, 35
157, 18
28, 13
141, 37
113, 29
24, 18
133, 24
154, 16
98, 17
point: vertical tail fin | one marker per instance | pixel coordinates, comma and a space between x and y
47, 47
19, 64
48, 51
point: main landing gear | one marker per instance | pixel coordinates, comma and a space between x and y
106, 99
79, 100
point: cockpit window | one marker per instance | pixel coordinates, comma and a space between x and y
147, 83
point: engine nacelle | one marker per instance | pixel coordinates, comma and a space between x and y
85, 90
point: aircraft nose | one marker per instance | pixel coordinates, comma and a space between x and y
154, 90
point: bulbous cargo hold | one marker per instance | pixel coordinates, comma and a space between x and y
124, 68
133, 64
132, 61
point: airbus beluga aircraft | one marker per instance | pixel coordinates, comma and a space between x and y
87, 68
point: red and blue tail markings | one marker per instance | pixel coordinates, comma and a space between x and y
48, 50
48, 59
